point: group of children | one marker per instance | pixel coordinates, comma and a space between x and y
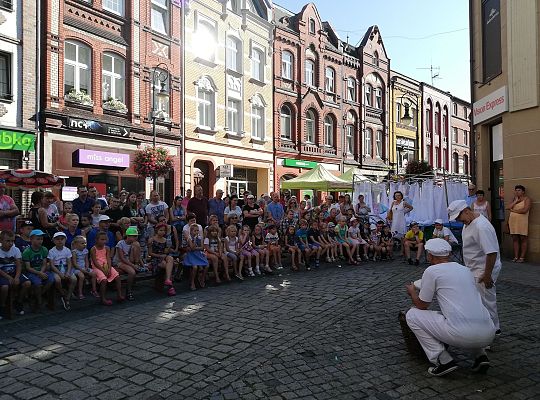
97, 256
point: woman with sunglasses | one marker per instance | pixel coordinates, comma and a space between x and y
233, 208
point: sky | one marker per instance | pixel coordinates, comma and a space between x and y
417, 34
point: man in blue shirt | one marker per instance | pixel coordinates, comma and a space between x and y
104, 224
216, 206
275, 209
83, 203
471, 195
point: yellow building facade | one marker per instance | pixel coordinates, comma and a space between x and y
405, 134
228, 140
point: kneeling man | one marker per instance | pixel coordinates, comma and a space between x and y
463, 321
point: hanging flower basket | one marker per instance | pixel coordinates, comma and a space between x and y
115, 105
418, 167
77, 96
152, 162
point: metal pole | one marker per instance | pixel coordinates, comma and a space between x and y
154, 121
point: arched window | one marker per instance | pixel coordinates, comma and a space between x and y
429, 118
287, 65
234, 113
286, 123
349, 133
466, 164
329, 131
234, 54
206, 103
113, 78
455, 163
310, 126
437, 120
205, 40
351, 89
257, 64
77, 68
379, 144
330, 80
378, 98
310, 73
368, 142
257, 118
375, 58
369, 91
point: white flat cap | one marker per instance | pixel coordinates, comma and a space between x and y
455, 208
438, 247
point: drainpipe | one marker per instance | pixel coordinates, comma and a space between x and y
37, 116
183, 104
472, 141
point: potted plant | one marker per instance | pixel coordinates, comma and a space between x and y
113, 104
78, 96
418, 168
152, 162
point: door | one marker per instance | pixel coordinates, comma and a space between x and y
236, 188
497, 179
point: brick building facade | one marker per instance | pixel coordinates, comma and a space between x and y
99, 64
460, 127
322, 111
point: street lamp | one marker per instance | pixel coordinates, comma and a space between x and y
160, 76
407, 99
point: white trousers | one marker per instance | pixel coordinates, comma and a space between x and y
489, 299
433, 330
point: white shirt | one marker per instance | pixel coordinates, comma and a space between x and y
455, 289
124, 248
156, 209
443, 233
479, 239
59, 257
8, 260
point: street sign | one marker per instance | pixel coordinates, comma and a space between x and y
289, 162
13, 140
226, 171
97, 127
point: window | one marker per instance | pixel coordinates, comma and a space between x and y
257, 65
412, 112
466, 164
455, 162
77, 68
234, 54
233, 116
160, 16
444, 160
312, 26
445, 125
436, 161
206, 105
429, 155
429, 121
465, 113
398, 112
114, 6
351, 89
329, 131
257, 122
454, 109
234, 5
375, 59
310, 73
368, 95
378, 98
491, 39
437, 122
455, 135
466, 138
379, 144
5, 76
113, 80
330, 80
287, 65
204, 41
6, 4
286, 123
161, 84
310, 126
349, 133
368, 138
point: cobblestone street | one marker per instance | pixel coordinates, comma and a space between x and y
325, 334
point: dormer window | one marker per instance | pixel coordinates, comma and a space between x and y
312, 26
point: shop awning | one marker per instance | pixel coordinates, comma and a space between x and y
319, 178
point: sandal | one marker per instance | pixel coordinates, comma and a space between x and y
514, 259
171, 291
520, 260
107, 302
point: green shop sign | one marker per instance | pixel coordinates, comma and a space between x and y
289, 162
12, 140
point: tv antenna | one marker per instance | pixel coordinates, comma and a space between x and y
434, 72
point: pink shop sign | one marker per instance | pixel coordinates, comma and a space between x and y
104, 158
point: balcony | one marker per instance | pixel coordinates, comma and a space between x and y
287, 145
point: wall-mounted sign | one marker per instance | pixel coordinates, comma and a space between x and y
491, 105
104, 158
226, 171
405, 142
12, 140
97, 127
289, 162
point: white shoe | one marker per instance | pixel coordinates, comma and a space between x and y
250, 272
328, 259
257, 270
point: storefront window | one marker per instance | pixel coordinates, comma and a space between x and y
110, 182
133, 185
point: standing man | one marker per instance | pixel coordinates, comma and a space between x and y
8, 209
93, 194
251, 212
471, 195
275, 210
463, 321
198, 205
82, 204
480, 253
216, 206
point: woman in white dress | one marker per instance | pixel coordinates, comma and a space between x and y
481, 205
396, 216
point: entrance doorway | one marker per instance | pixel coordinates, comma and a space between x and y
201, 176
497, 180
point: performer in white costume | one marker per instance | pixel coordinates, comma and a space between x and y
480, 253
463, 321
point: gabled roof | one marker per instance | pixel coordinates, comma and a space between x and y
370, 33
